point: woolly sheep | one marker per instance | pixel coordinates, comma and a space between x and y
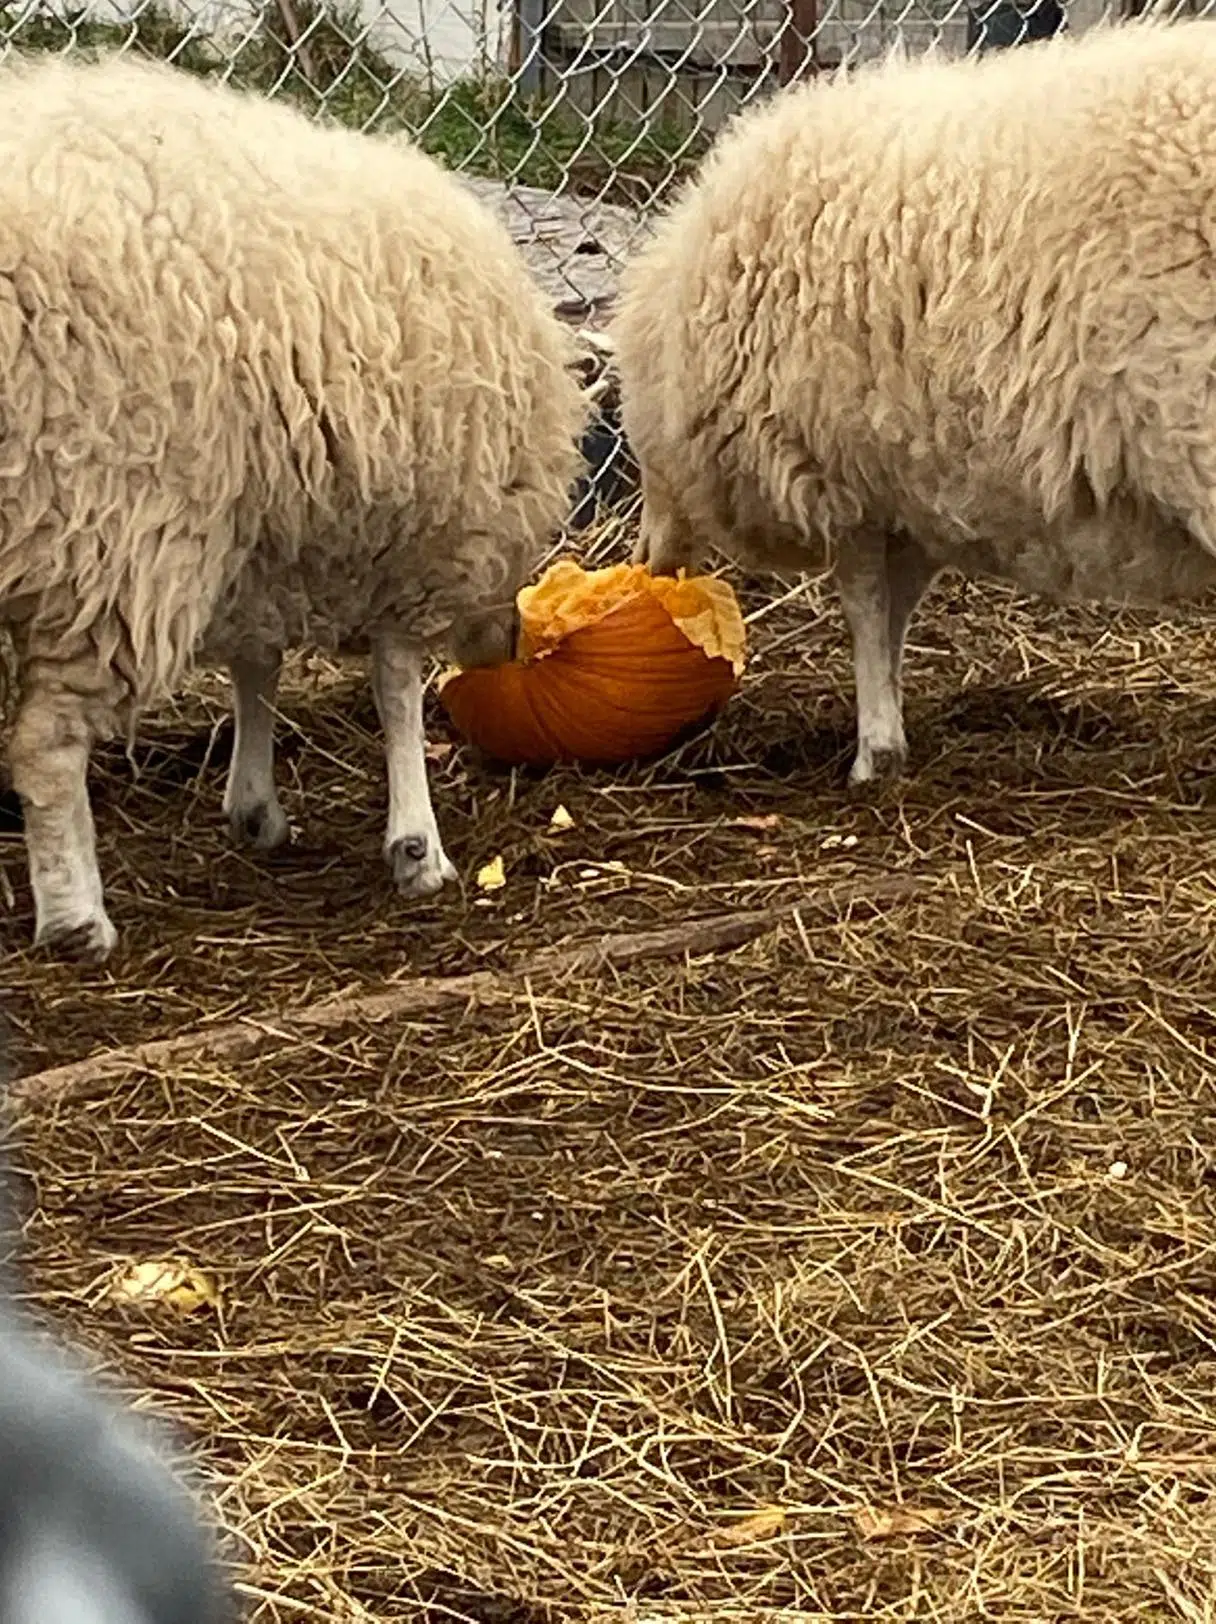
942, 314
265, 384
94, 1528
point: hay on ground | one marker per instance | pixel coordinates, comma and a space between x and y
865, 1271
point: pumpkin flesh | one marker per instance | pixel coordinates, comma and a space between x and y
622, 687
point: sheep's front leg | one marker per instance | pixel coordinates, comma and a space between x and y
666, 543
412, 847
881, 580
250, 799
664, 551
49, 759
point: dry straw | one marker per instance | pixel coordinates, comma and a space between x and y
865, 1270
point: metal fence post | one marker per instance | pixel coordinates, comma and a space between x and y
796, 55
530, 27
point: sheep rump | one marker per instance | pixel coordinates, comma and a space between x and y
265, 384
942, 314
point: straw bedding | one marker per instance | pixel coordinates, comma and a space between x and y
866, 1270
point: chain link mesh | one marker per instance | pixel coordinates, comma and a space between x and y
574, 118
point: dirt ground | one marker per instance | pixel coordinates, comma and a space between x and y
865, 1271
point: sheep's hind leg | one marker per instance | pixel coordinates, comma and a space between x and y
251, 802
910, 573
49, 752
881, 580
412, 847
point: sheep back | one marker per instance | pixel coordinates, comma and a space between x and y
973, 300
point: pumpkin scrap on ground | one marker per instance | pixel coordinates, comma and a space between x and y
613, 664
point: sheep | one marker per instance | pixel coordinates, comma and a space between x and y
94, 1527
942, 314
264, 384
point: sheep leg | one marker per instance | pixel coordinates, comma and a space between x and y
664, 551
666, 542
412, 847
49, 758
881, 580
910, 573
250, 799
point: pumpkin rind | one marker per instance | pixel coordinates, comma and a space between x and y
622, 687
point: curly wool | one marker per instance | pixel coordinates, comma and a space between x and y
265, 382
971, 302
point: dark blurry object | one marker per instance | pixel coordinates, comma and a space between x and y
94, 1529
612, 474
997, 27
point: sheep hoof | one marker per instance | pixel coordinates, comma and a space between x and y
263, 825
875, 769
88, 941
420, 865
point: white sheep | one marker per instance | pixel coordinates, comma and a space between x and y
263, 384
943, 314
94, 1527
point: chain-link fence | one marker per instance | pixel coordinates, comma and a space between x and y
573, 117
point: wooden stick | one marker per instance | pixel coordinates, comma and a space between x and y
713, 933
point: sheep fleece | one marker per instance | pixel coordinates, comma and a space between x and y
262, 382
974, 301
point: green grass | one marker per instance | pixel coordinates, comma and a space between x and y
478, 126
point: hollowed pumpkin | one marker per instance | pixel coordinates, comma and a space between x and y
613, 664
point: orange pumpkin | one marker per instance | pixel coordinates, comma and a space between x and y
613, 664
